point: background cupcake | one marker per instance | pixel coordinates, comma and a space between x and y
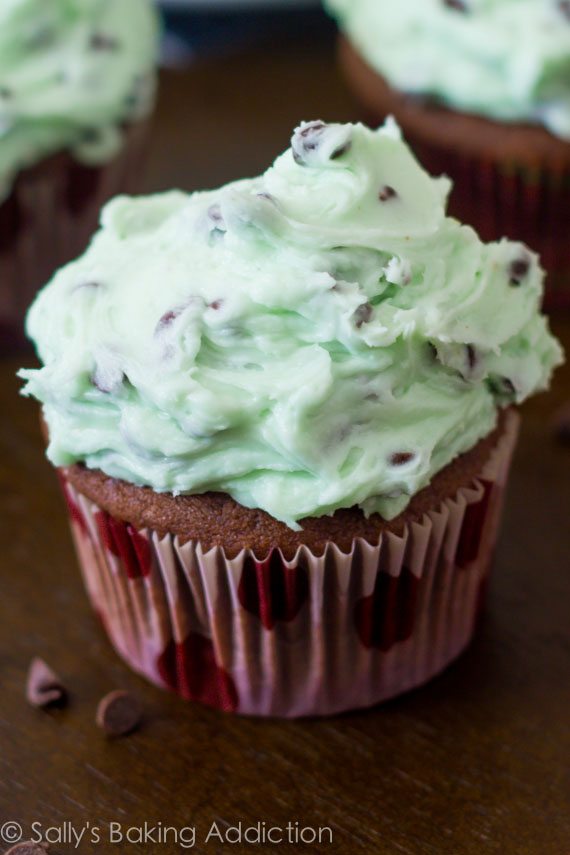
77, 82
282, 414
481, 90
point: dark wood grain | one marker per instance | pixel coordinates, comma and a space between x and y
476, 762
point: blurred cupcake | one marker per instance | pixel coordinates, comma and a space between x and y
77, 83
283, 415
481, 89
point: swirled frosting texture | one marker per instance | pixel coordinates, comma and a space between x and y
316, 338
505, 59
72, 73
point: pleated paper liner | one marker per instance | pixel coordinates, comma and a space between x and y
261, 635
48, 220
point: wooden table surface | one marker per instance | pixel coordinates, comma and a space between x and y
477, 762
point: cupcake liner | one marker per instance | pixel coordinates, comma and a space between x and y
511, 200
314, 635
48, 219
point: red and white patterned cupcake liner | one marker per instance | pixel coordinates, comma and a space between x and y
48, 220
308, 636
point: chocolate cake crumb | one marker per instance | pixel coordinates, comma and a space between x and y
118, 713
43, 686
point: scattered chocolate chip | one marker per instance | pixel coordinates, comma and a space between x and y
561, 424
564, 6
216, 304
168, 319
387, 193
43, 686
118, 713
518, 270
399, 458
362, 315
103, 42
28, 847
456, 5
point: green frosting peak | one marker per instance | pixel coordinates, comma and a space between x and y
320, 337
72, 74
506, 59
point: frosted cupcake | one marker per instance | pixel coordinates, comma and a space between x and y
77, 83
482, 91
283, 414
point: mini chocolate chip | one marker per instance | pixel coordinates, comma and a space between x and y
341, 150
215, 216
387, 193
216, 304
43, 686
561, 425
28, 847
502, 386
399, 458
118, 713
362, 315
564, 6
456, 5
518, 270
101, 41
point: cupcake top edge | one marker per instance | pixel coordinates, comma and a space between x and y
508, 60
320, 337
73, 75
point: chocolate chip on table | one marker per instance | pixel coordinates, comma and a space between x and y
43, 686
387, 193
400, 458
101, 41
28, 847
561, 424
362, 315
518, 270
118, 713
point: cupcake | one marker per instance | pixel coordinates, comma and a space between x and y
77, 82
283, 414
481, 90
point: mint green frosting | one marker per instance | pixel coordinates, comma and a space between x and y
506, 59
320, 337
72, 74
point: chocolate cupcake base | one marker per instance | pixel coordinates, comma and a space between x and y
48, 220
295, 632
510, 180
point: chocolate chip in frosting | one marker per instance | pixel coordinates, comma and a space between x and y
400, 458
564, 6
362, 315
456, 5
215, 218
387, 193
103, 42
503, 387
472, 357
518, 270
310, 140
